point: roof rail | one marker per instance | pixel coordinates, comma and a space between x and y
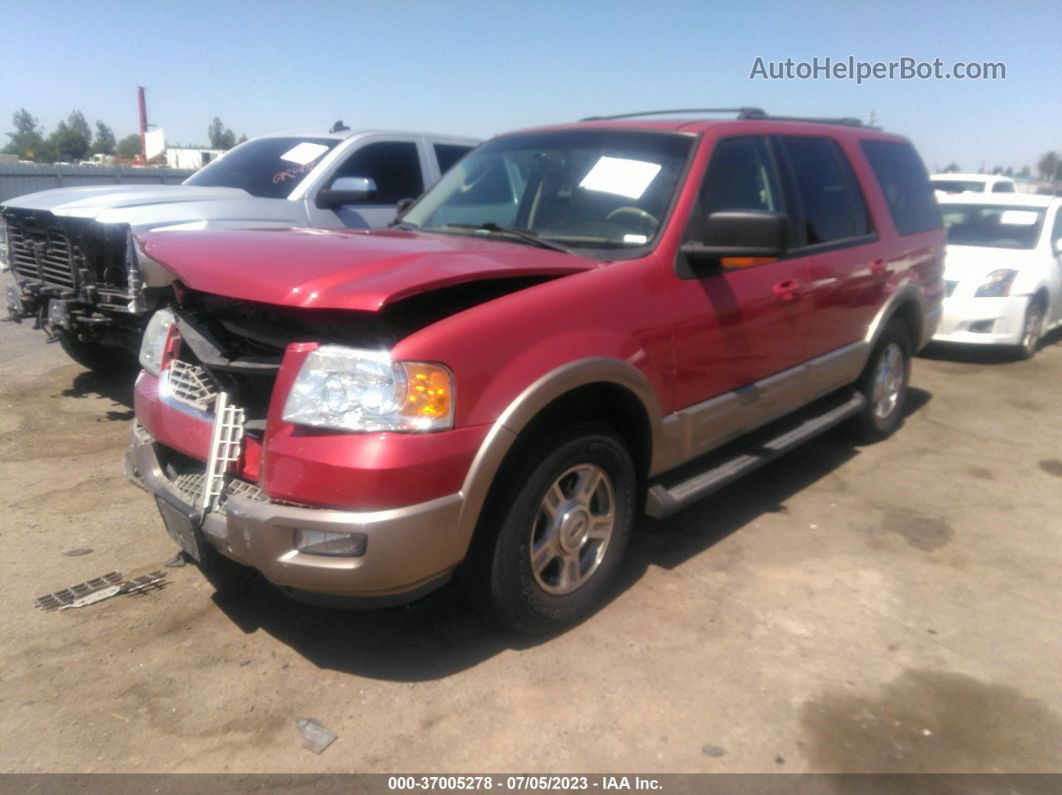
741, 112
745, 114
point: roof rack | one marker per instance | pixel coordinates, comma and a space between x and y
741, 112
745, 114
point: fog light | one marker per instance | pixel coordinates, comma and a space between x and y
343, 545
982, 326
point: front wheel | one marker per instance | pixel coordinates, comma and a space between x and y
1031, 328
564, 533
884, 385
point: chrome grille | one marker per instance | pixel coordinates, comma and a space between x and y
192, 385
44, 254
949, 288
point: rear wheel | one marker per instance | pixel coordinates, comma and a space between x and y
103, 359
564, 532
1031, 329
884, 385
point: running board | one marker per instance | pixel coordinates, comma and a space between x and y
663, 500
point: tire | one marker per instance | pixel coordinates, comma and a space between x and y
99, 358
884, 385
1032, 326
561, 530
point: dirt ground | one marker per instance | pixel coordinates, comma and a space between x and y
884, 608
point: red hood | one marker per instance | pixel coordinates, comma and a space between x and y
343, 269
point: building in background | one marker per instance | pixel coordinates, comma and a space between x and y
190, 157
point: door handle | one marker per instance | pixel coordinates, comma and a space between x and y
879, 269
786, 290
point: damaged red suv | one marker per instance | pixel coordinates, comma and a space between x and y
575, 325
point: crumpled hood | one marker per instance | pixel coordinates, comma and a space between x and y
344, 269
92, 201
963, 263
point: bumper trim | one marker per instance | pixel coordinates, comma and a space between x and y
410, 550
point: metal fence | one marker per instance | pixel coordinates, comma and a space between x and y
17, 179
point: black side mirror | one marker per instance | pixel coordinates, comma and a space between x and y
737, 238
345, 190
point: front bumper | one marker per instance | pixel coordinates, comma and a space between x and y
983, 321
410, 550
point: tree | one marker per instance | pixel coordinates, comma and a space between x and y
128, 147
243, 138
1048, 165
70, 141
1025, 172
221, 137
952, 168
105, 141
27, 141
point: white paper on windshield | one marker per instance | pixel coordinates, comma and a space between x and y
1019, 217
620, 176
639, 239
304, 153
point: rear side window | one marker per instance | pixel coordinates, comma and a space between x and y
393, 165
833, 207
905, 183
448, 154
1003, 187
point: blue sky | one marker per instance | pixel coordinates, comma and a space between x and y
480, 68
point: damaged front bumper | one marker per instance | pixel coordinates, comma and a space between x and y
408, 551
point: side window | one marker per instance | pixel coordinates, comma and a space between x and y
1002, 187
833, 207
905, 183
1056, 234
740, 176
448, 154
393, 165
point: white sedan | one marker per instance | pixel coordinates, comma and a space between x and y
1003, 272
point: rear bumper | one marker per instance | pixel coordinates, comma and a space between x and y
982, 321
409, 550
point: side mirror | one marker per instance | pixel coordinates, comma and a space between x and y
739, 238
345, 190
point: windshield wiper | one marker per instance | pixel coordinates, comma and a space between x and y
524, 235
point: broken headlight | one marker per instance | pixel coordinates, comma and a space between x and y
358, 390
153, 343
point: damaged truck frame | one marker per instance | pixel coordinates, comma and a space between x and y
576, 325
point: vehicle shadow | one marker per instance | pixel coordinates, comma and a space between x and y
116, 387
442, 634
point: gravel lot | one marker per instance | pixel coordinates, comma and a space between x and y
886, 608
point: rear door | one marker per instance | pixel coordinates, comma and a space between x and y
836, 257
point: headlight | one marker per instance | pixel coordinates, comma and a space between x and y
357, 390
153, 343
4, 262
997, 285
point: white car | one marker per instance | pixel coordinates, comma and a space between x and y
949, 184
1003, 271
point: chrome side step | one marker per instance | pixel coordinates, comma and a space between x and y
663, 500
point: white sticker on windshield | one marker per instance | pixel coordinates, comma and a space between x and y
304, 153
623, 177
637, 239
1019, 217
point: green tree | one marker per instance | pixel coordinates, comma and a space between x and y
71, 140
1025, 172
243, 138
221, 137
105, 142
27, 141
952, 168
1048, 165
128, 147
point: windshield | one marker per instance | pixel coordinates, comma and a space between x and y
586, 189
992, 225
269, 168
959, 186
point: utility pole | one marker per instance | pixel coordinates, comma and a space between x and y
143, 121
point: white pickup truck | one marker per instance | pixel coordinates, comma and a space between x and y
73, 252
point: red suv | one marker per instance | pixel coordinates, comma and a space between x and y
576, 324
